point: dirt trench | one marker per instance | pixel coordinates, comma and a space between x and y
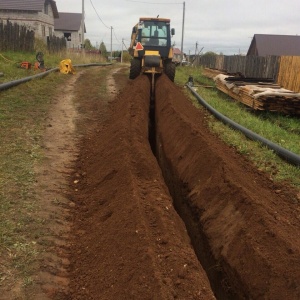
194, 220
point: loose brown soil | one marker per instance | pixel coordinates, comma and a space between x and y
197, 222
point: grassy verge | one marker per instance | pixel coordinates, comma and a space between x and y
10, 62
283, 130
23, 110
23, 113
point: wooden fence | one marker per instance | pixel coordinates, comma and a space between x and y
289, 73
56, 44
284, 70
15, 37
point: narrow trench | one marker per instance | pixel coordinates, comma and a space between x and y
220, 284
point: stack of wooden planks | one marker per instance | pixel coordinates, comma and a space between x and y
211, 73
259, 94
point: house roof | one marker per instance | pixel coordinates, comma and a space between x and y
68, 21
176, 51
31, 5
271, 44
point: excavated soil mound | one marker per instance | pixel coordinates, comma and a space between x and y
129, 242
251, 226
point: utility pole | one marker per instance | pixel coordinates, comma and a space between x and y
122, 51
182, 35
111, 29
82, 25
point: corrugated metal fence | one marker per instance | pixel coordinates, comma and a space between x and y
285, 70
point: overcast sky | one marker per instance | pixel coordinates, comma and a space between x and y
217, 25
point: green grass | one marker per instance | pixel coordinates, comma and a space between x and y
23, 114
280, 129
10, 62
23, 110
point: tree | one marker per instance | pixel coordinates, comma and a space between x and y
88, 44
117, 53
103, 50
209, 53
126, 57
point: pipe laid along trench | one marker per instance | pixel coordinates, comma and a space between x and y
225, 212
168, 211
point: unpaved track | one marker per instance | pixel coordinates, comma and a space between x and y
125, 239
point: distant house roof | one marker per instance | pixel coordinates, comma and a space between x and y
270, 44
68, 22
31, 5
176, 51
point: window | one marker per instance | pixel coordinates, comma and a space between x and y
50, 31
154, 33
43, 30
67, 36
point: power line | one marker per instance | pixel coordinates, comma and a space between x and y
116, 36
98, 15
108, 27
124, 44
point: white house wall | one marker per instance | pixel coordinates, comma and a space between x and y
76, 40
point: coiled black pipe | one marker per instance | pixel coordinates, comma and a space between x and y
285, 154
10, 84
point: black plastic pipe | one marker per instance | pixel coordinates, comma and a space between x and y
285, 154
93, 65
10, 84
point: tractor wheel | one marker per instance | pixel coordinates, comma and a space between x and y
135, 68
170, 69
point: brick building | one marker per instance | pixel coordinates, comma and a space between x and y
36, 15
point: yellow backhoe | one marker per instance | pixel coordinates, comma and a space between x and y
151, 48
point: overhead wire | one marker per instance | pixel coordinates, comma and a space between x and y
111, 28
108, 27
115, 35
124, 44
98, 15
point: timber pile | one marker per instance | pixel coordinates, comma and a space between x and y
211, 73
260, 94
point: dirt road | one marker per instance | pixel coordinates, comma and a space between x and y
166, 210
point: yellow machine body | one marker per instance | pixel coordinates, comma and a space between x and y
151, 48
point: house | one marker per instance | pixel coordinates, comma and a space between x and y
271, 44
36, 15
69, 25
177, 54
